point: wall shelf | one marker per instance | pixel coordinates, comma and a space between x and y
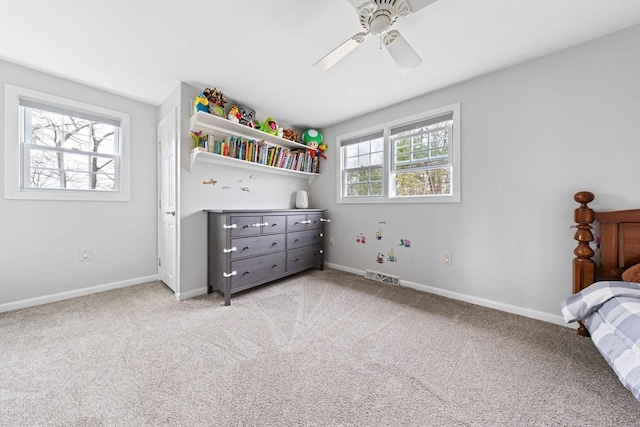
206, 157
220, 127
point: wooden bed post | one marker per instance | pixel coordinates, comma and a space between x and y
584, 268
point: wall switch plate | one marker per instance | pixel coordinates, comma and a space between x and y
85, 254
447, 258
331, 241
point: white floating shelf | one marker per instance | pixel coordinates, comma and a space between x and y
219, 126
206, 157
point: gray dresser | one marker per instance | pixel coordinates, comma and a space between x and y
248, 248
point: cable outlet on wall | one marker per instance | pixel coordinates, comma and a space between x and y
447, 258
331, 241
85, 254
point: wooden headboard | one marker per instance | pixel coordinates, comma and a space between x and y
619, 244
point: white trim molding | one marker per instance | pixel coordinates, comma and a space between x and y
46, 299
513, 309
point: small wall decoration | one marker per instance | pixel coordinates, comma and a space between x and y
245, 189
226, 187
382, 222
380, 258
361, 239
379, 234
210, 181
405, 242
392, 256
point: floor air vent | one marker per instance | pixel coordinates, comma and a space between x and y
381, 277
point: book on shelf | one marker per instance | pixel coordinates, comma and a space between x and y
255, 151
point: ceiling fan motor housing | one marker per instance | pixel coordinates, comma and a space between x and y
377, 16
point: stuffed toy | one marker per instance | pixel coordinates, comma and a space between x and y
290, 134
247, 116
269, 126
201, 103
310, 135
216, 101
313, 139
234, 114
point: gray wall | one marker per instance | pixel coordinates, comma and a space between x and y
39, 240
267, 191
532, 136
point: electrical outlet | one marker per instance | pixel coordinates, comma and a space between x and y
447, 258
85, 254
331, 241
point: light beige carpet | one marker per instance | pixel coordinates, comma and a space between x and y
323, 348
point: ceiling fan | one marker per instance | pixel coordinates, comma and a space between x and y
377, 17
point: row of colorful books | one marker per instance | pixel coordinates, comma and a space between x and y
297, 159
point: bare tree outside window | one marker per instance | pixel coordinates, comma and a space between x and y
67, 152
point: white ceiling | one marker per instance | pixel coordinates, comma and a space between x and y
261, 52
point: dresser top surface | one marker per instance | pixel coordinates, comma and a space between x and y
261, 211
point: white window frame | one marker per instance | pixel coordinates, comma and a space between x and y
14, 158
368, 167
387, 166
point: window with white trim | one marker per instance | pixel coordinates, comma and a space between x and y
362, 167
70, 150
62, 149
414, 160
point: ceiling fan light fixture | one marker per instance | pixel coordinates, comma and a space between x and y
380, 25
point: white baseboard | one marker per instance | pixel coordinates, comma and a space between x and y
46, 299
526, 312
190, 294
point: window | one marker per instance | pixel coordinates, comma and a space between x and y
362, 169
416, 160
64, 149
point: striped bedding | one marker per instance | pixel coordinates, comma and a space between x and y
611, 313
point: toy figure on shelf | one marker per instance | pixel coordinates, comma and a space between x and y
234, 114
313, 139
199, 139
216, 101
201, 103
269, 126
247, 116
290, 134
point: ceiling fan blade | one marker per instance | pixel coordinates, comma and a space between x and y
340, 52
416, 5
400, 50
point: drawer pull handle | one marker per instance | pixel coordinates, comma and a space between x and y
274, 243
274, 224
245, 227
245, 248
233, 273
245, 273
233, 249
260, 224
296, 260
274, 265
229, 226
305, 222
297, 240
321, 235
321, 251
324, 220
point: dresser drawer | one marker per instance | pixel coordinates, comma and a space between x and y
305, 257
252, 246
245, 226
275, 224
315, 221
299, 239
257, 269
296, 223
